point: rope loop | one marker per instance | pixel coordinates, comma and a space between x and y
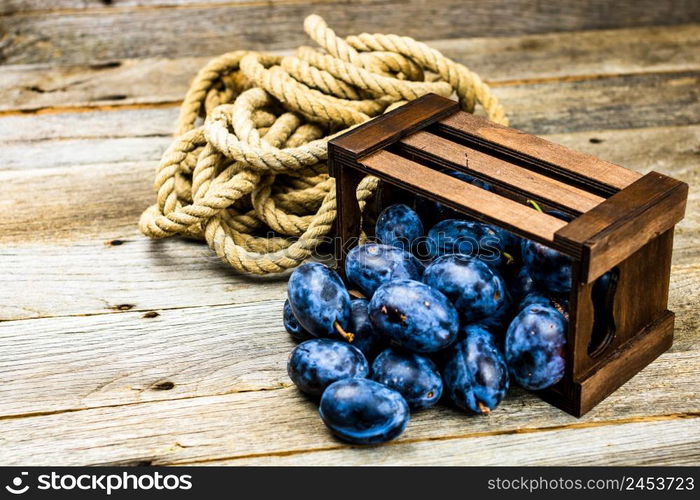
247, 170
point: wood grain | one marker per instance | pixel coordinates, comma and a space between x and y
91, 123
84, 36
618, 227
610, 103
546, 156
73, 152
484, 205
635, 443
103, 201
93, 277
616, 102
105, 6
496, 171
70, 363
239, 424
500, 61
79, 362
106, 385
51, 241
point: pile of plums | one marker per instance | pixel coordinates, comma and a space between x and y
451, 314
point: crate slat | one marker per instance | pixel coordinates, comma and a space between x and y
390, 127
580, 167
523, 181
460, 195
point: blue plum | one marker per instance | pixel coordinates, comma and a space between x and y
415, 376
470, 179
520, 285
315, 364
467, 237
476, 290
559, 303
366, 339
319, 300
475, 373
535, 347
292, 325
550, 270
362, 411
510, 242
399, 225
414, 316
368, 266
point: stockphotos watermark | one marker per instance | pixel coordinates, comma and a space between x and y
105, 483
487, 248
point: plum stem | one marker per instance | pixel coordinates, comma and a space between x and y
357, 294
346, 335
557, 305
535, 205
483, 408
509, 257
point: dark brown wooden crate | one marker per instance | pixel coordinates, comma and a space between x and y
622, 221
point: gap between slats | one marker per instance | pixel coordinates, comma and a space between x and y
579, 166
430, 147
458, 194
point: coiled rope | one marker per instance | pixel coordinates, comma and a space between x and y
251, 180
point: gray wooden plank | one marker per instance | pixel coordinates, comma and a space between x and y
275, 422
119, 82
105, 276
503, 60
631, 101
106, 6
60, 234
66, 364
95, 123
74, 362
74, 152
665, 442
95, 201
636, 101
103, 34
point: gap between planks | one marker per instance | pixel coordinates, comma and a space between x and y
454, 437
122, 9
82, 37
51, 110
175, 103
78, 249
510, 60
300, 429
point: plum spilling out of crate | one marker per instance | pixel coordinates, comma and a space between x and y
622, 221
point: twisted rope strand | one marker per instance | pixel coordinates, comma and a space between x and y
250, 147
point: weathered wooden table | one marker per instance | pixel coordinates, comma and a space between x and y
116, 349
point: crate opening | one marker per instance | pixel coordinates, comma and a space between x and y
491, 243
603, 298
470, 173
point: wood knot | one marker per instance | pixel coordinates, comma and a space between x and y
123, 307
163, 386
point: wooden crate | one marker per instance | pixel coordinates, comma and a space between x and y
622, 222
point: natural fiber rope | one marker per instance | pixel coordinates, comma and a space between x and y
257, 163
